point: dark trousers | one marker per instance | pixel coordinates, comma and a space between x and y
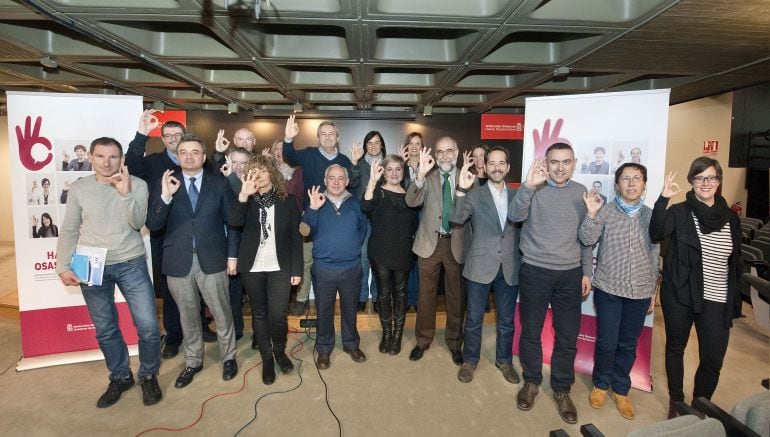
392, 295
326, 283
269, 300
454, 292
505, 300
539, 287
619, 322
413, 284
235, 289
712, 345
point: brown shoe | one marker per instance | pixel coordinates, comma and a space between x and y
566, 408
356, 355
624, 406
596, 397
525, 400
322, 362
465, 374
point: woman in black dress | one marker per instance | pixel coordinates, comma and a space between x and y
269, 258
47, 228
390, 245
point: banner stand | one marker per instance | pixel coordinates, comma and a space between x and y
32, 363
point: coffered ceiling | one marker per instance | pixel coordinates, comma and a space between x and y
380, 58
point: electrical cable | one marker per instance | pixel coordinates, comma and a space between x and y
10, 365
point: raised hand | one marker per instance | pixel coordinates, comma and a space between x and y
376, 173
356, 153
33, 158
593, 203
538, 173
670, 188
426, 163
34, 220
121, 180
403, 152
66, 185
65, 156
266, 152
148, 122
292, 129
620, 157
466, 177
317, 198
169, 184
468, 157
227, 167
548, 137
222, 143
248, 186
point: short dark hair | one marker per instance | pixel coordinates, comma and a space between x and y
106, 141
241, 150
597, 182
642, 169
81, 147
600, 149
495, 149
559, 146
192, 138
42, 182
700, 165
172, 123
372, 134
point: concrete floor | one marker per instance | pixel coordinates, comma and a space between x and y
385, 396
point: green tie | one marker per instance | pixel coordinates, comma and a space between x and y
446, 207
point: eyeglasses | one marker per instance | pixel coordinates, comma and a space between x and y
627, 179
170, 136
700, 180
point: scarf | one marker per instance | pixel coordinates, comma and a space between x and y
628, 208
265, 201
710, 218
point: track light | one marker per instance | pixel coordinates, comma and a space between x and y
427, 110
232, 108
298, 108
159, 106
48, 62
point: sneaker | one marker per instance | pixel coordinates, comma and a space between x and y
114, 390
596, 397
624, 406
151, 393
465, 374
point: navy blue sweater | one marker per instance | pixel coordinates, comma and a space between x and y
337, 234
314, 165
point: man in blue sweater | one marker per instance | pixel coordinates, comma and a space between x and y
314, 161
338, 228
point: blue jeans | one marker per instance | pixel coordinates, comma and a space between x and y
326, 283
505, 300
619, 322
366, 289
133, 280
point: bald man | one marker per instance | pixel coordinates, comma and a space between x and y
243, 138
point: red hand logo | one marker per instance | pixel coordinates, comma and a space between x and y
548, 138
37, 159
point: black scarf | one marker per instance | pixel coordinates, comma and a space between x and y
710, 218
265, 201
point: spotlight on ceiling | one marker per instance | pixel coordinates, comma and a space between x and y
48, 62
298, 108
561, 71
232, 108
159, 106
427, 110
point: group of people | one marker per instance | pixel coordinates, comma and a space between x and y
236, 220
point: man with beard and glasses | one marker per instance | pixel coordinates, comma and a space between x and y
492, 261
438, 245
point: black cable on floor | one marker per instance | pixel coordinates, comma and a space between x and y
9, 366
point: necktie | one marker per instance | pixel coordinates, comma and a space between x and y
193, 193
446, 205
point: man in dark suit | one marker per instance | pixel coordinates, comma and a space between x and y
151, 168
438, 245
193, 205
492, 260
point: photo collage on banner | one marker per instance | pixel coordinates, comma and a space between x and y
605, 130
49, 143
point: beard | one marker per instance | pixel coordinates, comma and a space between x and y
446, 166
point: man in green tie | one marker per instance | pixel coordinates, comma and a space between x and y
438, 244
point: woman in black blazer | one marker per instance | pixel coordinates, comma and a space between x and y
269, 258
701, 270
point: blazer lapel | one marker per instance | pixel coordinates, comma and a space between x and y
182, 194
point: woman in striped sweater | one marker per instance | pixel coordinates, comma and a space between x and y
701, 270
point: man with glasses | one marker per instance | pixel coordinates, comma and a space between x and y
151, 168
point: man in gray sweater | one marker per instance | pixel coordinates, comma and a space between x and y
556, 270
107, 210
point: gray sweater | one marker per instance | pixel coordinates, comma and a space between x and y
97, 215
549, 236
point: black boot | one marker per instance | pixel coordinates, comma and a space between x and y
284, 363
399, 318
386, 319
268, 368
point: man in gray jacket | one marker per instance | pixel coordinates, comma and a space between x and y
492, 261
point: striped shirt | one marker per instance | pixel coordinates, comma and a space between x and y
627, 261
715, 248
